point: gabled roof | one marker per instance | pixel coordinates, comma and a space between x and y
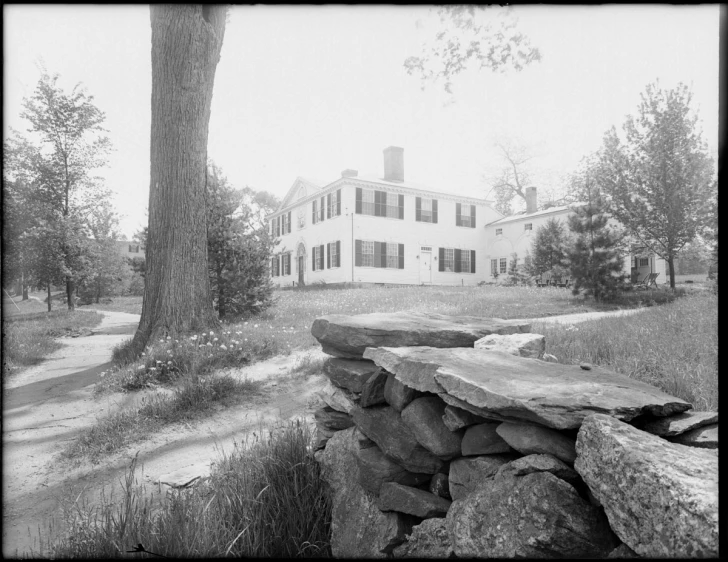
523, 215
311, 186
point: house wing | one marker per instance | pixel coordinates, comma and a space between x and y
301, 187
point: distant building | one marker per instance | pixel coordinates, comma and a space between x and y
367, 229
130, 249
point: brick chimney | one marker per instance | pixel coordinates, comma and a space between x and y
394, 163
349, 173
531, 200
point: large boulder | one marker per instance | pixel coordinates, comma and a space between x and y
397, 394
348, 336
359, 529
405, 499
533, 516
540, 463
372, 391
338, 398
661, 498
531, 439
424, 418
349, 374
375, 469
523, 345
429, 539
679, 423
385, 427
457, 418
466, 474
328, 418
497, 385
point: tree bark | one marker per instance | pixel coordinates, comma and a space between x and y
70, 289
24, 287
186, 44
49, 297
671, 265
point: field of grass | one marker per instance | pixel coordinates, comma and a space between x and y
673, 347
29, 336
266, 499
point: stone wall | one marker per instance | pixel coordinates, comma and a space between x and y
451, 436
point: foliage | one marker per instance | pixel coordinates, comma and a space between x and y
517, 273
596, 256
661, 180
514, 176
674, 346
549, 246
238, 250
52, 192
29, 338
485, 34
266, 499
695, 257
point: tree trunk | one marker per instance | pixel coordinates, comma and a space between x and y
25, 289
220, 294
49, 297
70, 289
186, 44
671, 264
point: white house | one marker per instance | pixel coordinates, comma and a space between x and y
366, 229
514, 234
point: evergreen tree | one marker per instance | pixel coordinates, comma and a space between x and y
595, 258
549, 247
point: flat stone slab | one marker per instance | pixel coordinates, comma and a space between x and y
424, 418
338, 398
404, 499
705, 437
349, 374
661, 498
531, 439
348, 336
523, 345
331, 419
457, 418
496, 385
540, 463
679, 423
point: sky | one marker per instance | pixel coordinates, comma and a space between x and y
311, 91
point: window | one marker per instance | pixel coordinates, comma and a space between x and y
425, 210
275, 267
133, 249
494, 267
302, 217
379, 254
379, 203
317, 258
286, 223
322, 209
286, 264
503, 265
314, 213
333, 204
465, 215
425, 248
528, 226
644, 262
318, 210
456, 260
333, 254
499, 232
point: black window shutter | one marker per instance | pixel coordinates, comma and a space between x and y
400, 250
338, 253
418, 208
434, 211
323, 204
289, 222
441, 258
328, 256
377, 254
458, 257
378, 203
313, 212
321, 255
457, 214
272, 267
472, 261
313, 259
328, 206
357, 248
401, 206
384, 254
472, 216
358, 201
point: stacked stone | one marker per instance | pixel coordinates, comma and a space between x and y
446, 435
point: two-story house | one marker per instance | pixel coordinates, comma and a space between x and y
367, 229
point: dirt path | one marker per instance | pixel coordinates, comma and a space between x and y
49, 405
583, 316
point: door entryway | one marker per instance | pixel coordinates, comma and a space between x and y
301, 262
426, 265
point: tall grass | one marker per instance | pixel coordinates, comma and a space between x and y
266, 499
673, 347
29, 338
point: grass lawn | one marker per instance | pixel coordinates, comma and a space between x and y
29, 335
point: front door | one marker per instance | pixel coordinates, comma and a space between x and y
300, 271
426, 267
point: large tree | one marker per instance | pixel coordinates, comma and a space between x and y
661, 179
487, 35
549, 248
186, 44
70, 144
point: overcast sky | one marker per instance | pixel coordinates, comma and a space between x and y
310, 91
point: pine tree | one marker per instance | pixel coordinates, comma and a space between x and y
549, 247
596, 259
